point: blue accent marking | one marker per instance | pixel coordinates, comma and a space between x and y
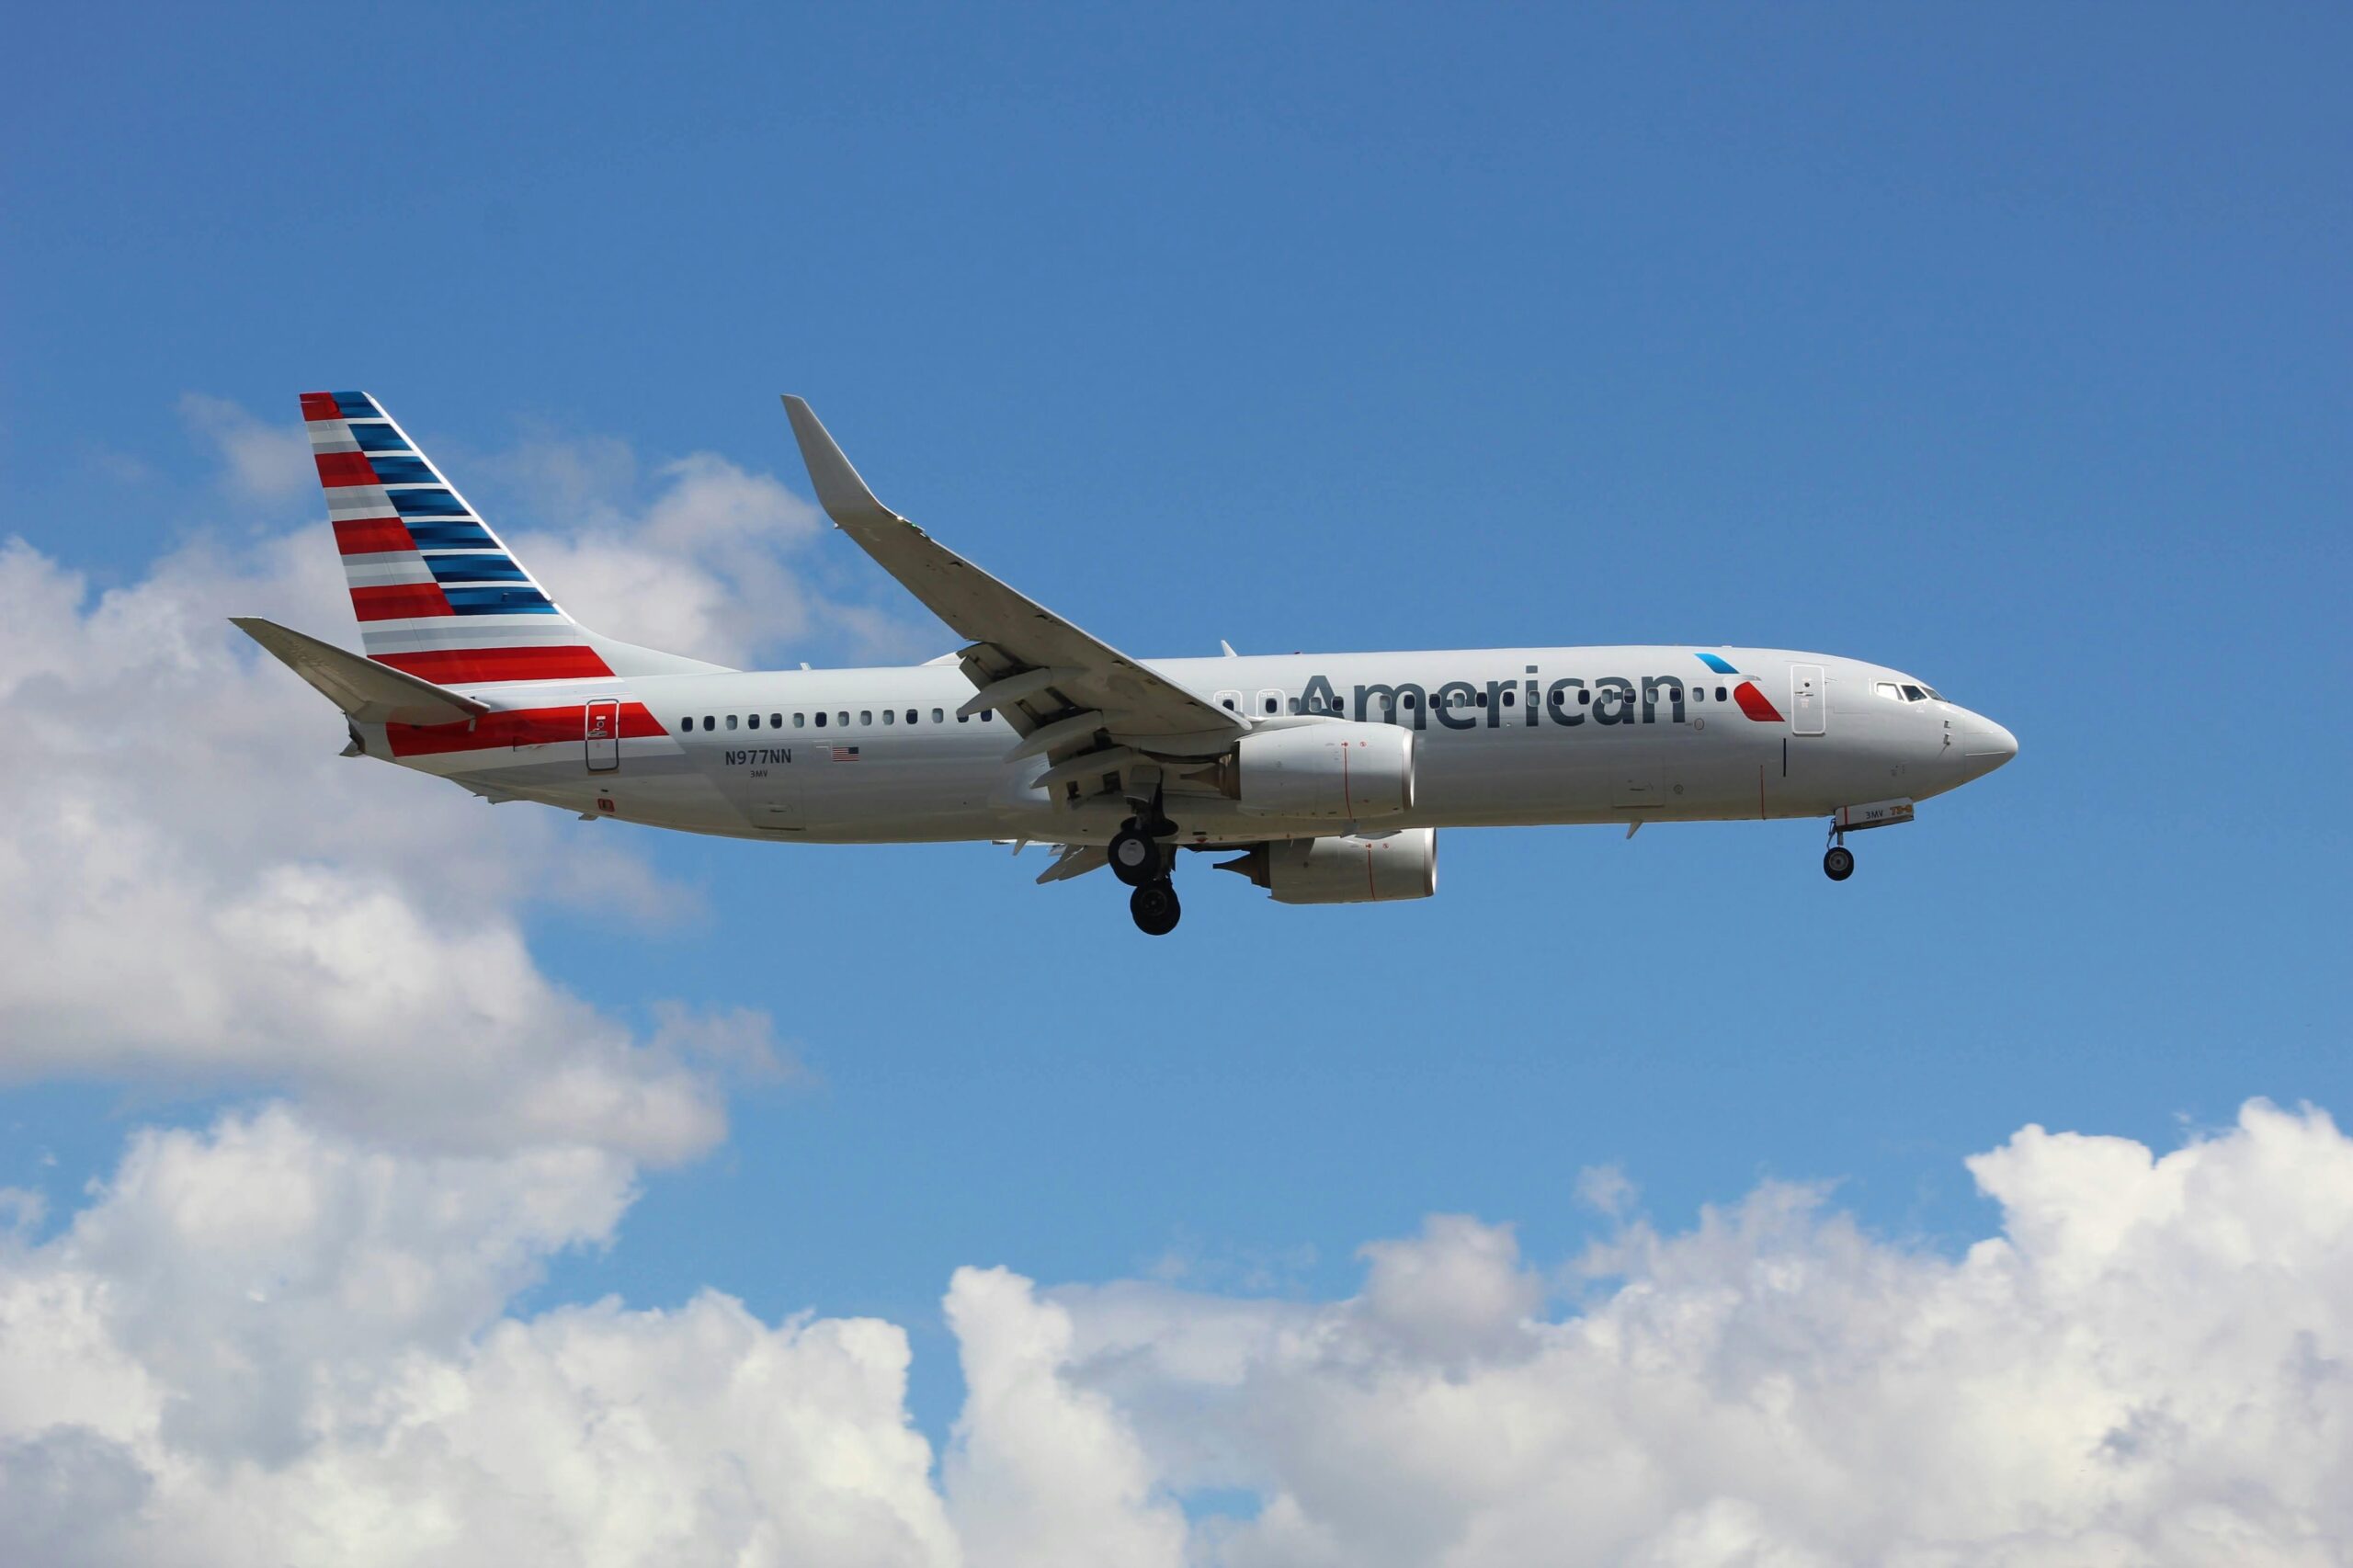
428, 504
378, 438
498, 601
355, 405
475, 569
465, 534
1717, 664
402, 471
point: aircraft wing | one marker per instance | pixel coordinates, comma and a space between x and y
1059, 688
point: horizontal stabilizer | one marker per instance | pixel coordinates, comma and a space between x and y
368, 691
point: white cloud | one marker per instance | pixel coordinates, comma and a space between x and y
197, 891
270, 1343
260, 460
273, 1342
711, 560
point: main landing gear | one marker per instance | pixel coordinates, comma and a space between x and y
1141, 855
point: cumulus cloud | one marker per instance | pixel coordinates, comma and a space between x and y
196, 891
270, 1341
259, 460
699, 556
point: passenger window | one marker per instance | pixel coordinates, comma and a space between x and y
801, 720
1699, 694
707, 722
865, 716
1511, 698
687, 724
987, 715
1409, 700
776, 721
1271, 705
1720, 695
753, 722
1583, 697
730, 720
912, 715
936, 717
1229, 703
1483, 700
820, 721
842, 719
890, 715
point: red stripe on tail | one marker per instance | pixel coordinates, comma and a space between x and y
340, 468
400, 601
320, 405
371, 536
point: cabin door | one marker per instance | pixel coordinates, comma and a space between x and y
601, 733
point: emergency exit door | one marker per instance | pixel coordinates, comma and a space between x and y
1809, 702
601, 733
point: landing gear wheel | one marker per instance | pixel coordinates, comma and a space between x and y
1838, 863
1155, 908
1135, 858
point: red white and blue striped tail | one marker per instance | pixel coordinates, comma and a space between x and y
437, 595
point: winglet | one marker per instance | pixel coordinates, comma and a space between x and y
843, 496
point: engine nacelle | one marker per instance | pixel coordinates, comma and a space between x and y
1348, 772
1345, 869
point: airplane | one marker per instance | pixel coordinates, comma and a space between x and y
1326, 775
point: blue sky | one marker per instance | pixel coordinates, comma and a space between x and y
2007, 346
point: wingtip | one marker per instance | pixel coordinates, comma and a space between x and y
844, 496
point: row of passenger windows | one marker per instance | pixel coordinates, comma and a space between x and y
1275, 703
839, 717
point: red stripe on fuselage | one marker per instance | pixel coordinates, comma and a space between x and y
320, 405
371, 536
446, 665
338, 470
400, 601
523, 727
1752, 702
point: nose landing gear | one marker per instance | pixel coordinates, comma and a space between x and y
1838, 863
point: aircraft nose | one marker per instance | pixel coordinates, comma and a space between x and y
1985, 745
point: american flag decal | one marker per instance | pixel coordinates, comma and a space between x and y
845, 754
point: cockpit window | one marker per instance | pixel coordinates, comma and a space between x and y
1887, 688
1939, 696
1914, 694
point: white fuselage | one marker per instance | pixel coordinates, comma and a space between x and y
1503, 737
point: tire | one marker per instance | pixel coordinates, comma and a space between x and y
1155, 908
1838, 864
1135, 859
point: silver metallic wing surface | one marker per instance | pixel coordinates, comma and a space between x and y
1046, 674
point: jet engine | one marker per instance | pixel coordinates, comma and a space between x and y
1372, 868
1350, 772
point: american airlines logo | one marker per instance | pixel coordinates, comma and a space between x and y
1530, 701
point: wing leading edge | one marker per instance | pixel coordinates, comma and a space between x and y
1071, 697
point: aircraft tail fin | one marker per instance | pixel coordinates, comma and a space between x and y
439, 596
